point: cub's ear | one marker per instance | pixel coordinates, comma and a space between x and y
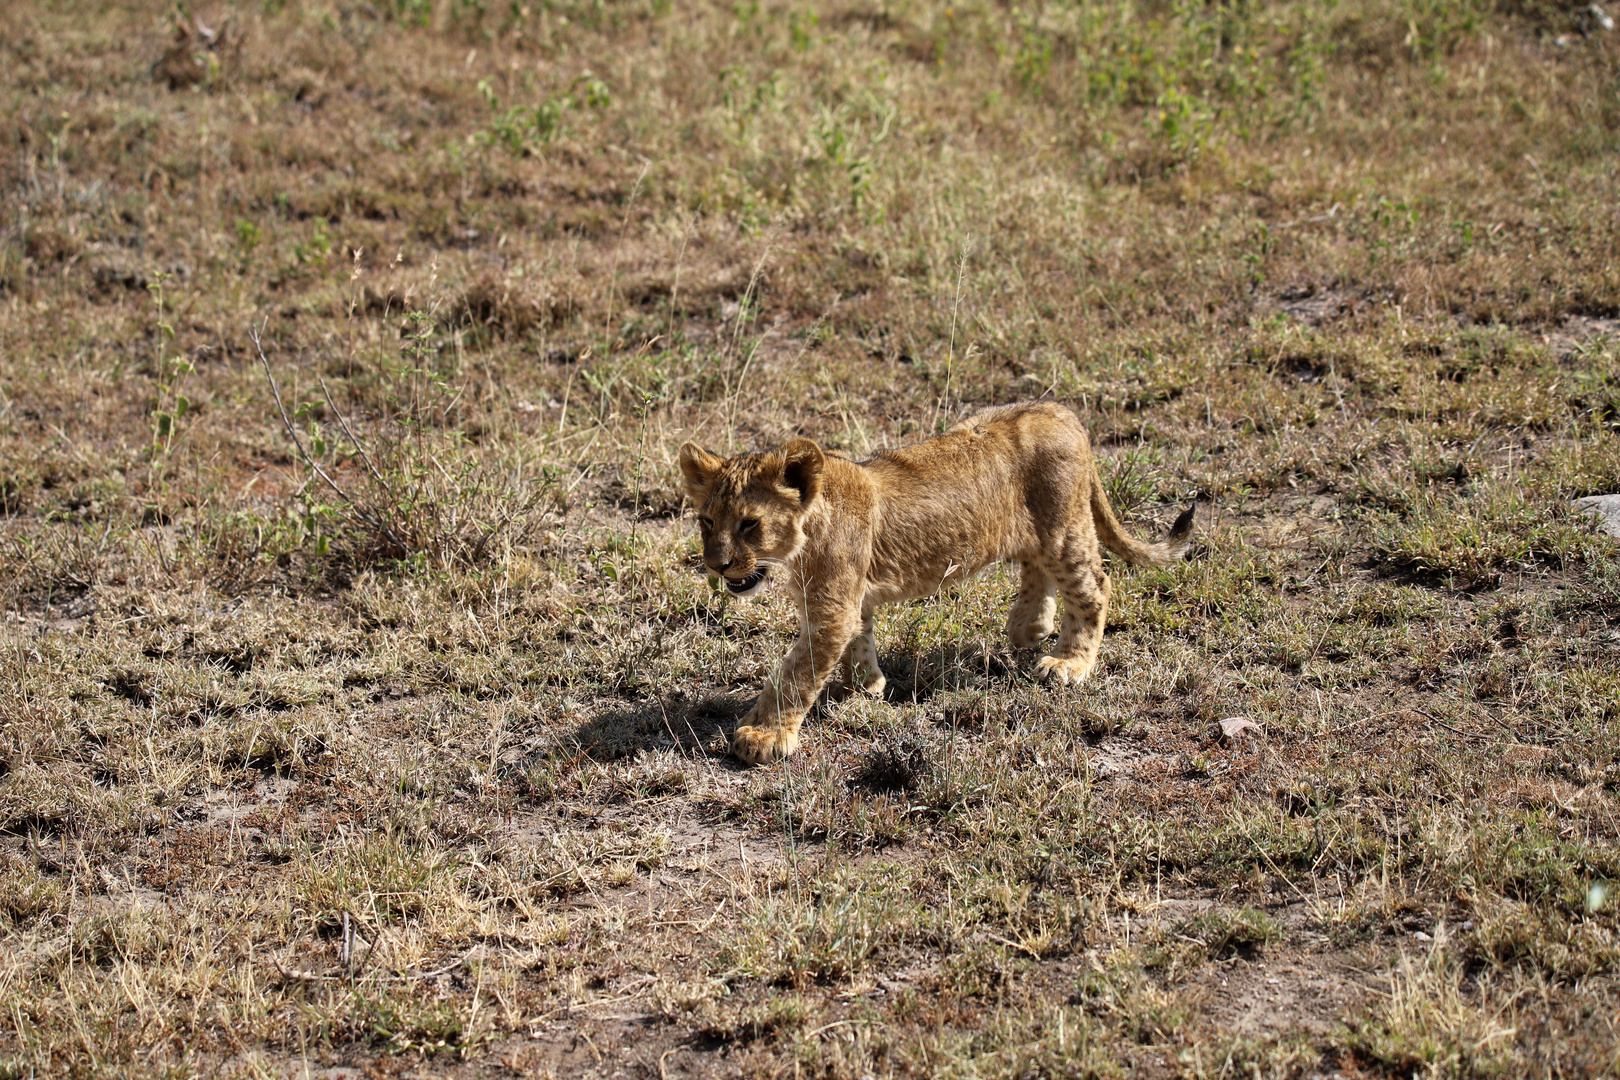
802, 462
698, 469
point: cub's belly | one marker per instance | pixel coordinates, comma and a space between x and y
923, 579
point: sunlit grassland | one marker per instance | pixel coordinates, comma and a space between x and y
403, 744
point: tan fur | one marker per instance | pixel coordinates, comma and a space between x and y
1016, 482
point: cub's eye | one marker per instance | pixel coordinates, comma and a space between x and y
706, 523
746, 526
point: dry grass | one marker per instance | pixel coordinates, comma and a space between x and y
418, 767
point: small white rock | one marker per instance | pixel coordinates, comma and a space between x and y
1237, 727
1605, 508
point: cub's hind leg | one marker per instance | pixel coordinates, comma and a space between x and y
1034, 611
1085, 610
861, 669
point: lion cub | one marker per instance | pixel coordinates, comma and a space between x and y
1015, 482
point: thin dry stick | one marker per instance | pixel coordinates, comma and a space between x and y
365, 455
507, 518
675, 290
295, 974
950, 352
736, 333
753, 281
562, 420
624, 226
736, 395
366, 519
353, 438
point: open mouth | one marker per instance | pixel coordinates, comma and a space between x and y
742, 585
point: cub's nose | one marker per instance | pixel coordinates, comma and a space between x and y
723, 567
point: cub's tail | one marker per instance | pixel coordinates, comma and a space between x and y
1116, 539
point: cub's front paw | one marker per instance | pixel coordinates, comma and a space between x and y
861, 668
873, 685
1063, 671
759, 745
868, 680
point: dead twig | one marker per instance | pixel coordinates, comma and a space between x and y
1455, 731
343, 422
366, 518
297, 975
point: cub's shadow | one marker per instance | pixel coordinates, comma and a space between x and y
702, 726
914, 677
699, 726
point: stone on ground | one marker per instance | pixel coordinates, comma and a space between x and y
1605, 508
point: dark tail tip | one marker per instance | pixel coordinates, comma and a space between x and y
1181, 531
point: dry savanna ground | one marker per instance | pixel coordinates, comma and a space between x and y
401, 750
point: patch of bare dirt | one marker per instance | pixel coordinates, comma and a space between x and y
1283, 991
1577, 331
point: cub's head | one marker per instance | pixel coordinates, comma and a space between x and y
752, 507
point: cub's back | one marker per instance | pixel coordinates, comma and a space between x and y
985, 482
